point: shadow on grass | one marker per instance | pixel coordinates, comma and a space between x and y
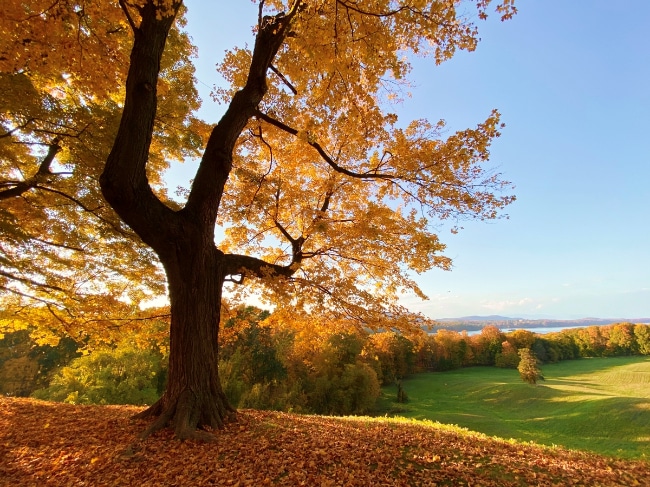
564, 410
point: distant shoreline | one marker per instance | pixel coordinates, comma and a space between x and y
507, 325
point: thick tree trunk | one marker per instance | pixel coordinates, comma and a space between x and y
184, 240
193, 399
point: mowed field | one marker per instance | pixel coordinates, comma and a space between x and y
600, 405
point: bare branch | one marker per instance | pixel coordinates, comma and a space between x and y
26, 280
324, 155
28, 296
53, 244
261, 181
388, 13
71, 198
19, 127
129, 19
129, 320
61, 320
284, 79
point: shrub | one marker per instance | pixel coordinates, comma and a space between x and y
124, 375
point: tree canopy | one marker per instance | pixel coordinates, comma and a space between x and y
325, 176
328, 200
66, 259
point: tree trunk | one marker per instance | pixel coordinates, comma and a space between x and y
184, 239
193, 398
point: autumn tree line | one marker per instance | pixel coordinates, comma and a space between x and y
310, 368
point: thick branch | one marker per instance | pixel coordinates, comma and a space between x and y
129, 19
235, 264
124, 181
43, 170
213, 172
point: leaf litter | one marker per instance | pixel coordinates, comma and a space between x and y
52, 444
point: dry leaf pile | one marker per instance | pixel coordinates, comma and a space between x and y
49, 444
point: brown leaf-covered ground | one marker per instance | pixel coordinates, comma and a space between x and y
49, 444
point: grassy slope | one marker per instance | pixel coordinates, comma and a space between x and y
50, 444
599, 405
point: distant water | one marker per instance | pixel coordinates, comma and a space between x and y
547, 329
539, 330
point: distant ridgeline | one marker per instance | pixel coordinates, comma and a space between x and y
477, 323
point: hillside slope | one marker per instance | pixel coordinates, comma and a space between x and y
50, 444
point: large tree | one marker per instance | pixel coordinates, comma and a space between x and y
328, 201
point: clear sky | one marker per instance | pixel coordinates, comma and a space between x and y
572, 81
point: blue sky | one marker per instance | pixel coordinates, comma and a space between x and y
572, 82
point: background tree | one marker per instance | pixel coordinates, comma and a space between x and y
452, 349
621, 340
313, 176
487, 345
395, 354
528, 366
26, 366
508, 357
642, 337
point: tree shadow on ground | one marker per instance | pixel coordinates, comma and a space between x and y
563, 410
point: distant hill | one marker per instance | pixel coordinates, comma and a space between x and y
480, 318
472, 323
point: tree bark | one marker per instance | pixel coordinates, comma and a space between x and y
193, 397
184, 240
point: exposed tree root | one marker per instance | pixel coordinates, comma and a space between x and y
192, 417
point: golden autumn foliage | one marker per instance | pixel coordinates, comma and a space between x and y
330, 203
67, 262
325, 165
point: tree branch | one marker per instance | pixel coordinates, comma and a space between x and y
31, 282
92, 211
324, 155
19, 127
284, 79
43, 171
28, 296
243, 265
53, 244
124, 180
129, 19
216, 164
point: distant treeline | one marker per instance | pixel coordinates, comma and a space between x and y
303, 370
447, 349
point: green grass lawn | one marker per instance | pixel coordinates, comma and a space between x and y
599, 404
